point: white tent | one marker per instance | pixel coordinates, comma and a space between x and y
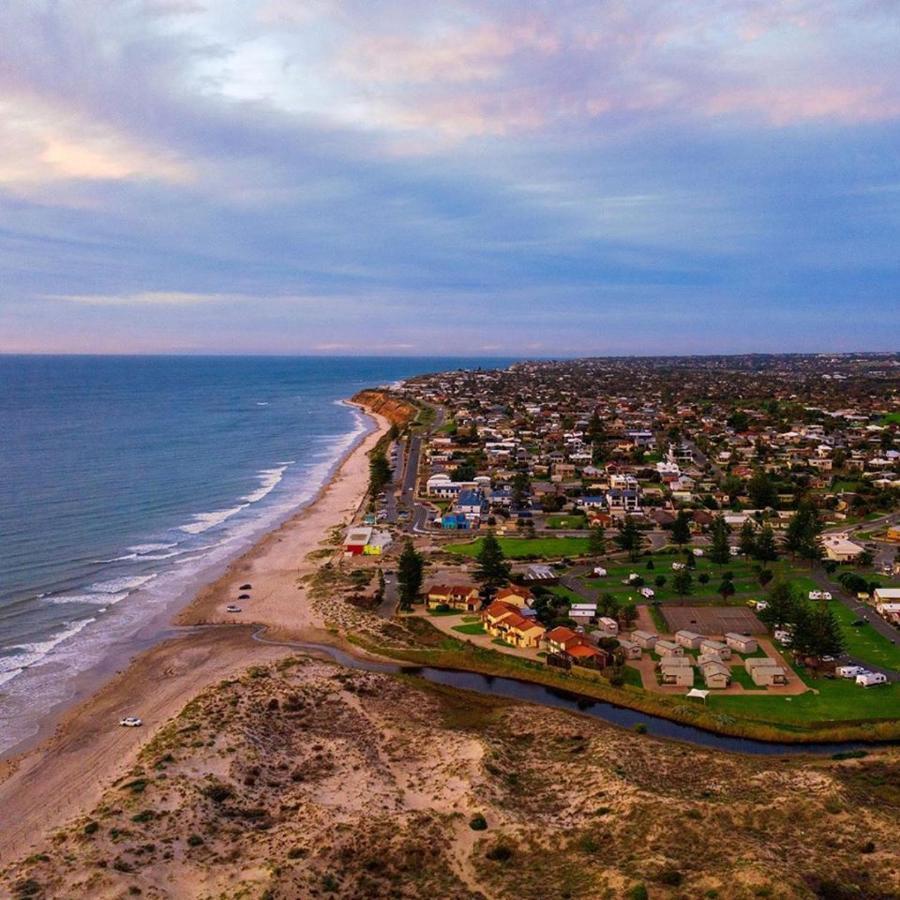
697, 694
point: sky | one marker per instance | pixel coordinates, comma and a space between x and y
475, 177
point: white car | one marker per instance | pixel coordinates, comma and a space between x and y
600, 571
677, 566
697, 551
231, 608
648, 593
131, 722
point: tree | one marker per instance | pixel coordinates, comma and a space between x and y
747, 543
521, 489
683, 582
409, 575
782, 603
802, 536
681, 528
719, 551
762, 490
764, 575
492, 571
738, 420
726, 588
816, 631
597, 541
465, 471
630, 538
628, 614
607, 605
765, 549
379, 473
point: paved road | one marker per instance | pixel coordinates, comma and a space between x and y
861, 611
702, 460
388, 607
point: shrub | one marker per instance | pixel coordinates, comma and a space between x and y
145, 815
703, 578
91, 827
638, 892
499, 853
296, 853
478, 822
194, 840
640, 728
671, 877
217, 792
867, 847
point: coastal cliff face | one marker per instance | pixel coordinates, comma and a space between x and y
304, 779
396, 410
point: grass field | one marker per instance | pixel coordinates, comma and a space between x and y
520, 548
864, 642
837, 700
470, 628
891, 419
567, 523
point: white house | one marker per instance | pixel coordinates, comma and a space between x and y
740, 643
689, 639
645, 639
668, 648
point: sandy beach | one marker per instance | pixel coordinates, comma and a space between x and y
66, 773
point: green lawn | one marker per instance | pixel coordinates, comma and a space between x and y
742, 677
838, 700
566, 594
518, 548
864, 642
568, 523
470, 628
891, 419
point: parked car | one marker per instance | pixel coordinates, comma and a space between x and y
849, 671
232, 608
131, 722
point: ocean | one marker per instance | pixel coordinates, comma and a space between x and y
126, 482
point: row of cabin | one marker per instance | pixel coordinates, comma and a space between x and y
689, 640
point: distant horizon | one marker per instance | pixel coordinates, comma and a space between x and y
447, 356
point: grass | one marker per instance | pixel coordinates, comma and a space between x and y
470, 628
836, 701
864, 642
521, 548
891, 419
739, 675
567, 523
736, 715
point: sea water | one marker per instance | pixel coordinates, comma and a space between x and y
124, 481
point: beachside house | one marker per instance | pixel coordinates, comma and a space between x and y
741, 643
669, 648
690, 640
708, 645
765, 672
520, 596
463, 597
608, 627
716, 674
632, 650
646, 640
672, 672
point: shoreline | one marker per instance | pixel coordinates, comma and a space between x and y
79, 746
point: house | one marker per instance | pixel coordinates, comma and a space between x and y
646, 640
672, 672
868, 679
632, 650
887, 603
839, 548
582, 613
690, 640
741, 643
356, 541
471, 504
540, 574
502, 620
454, 522
765, 671
716, 674
560, 638
456, 596
708, 645
668, 648
587, 655
609, 627
378, 542
520, 596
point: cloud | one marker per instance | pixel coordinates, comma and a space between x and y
145, 298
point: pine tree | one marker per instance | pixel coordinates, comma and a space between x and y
379, 473
630, 538
761, 490
492, 571
782, 604
409, 575
683, 582
681, 528
719, 552
748, 539
802, 535
766, 549
597, 541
